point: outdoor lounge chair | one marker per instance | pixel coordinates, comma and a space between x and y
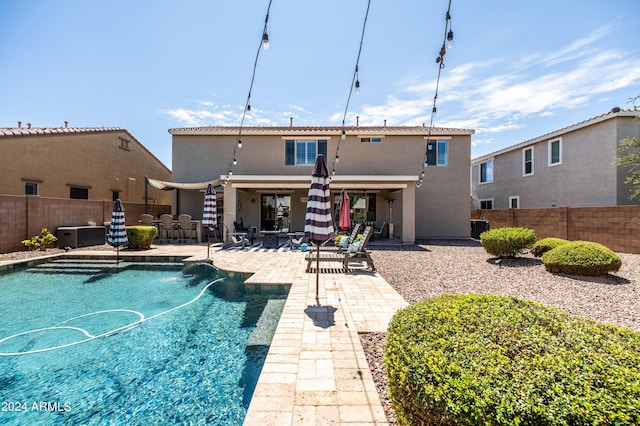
236, 239
340, 248
358, 255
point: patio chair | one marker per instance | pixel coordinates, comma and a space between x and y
167, 229
360, 254
146, 219
377, 233
186, 228
236, 239
343, 247
295, 243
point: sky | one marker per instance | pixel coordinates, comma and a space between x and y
517, 69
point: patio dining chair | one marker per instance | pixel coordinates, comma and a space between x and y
377, 233
168, 233
186, 228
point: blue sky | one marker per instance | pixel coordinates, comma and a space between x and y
517, 69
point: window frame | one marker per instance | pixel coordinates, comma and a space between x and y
77, 189
515, 198
486, 200
482, 182
291, 151
524, 161
434, 157
34, 185
550, 152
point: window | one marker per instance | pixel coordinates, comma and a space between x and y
486, 204
514, 202
124, 144
372, 140
486, 172
303, 152
30, 188
115, 195
527, 161
555, 152
438, 153
79, 193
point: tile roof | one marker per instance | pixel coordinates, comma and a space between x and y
615, 112
319, 130
30, 131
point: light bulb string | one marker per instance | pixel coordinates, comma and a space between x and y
353, 80
440, 62
247, 104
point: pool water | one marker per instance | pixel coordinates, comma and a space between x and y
154, 364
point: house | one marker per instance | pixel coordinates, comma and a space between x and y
573, 166
90, 163
378, 166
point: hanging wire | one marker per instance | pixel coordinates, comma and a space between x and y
264, 43
355, 82
447, 40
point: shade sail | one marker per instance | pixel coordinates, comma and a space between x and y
168, 186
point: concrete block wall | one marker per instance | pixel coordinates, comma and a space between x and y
617, 227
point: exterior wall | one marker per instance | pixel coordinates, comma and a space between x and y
617, 227
441, 204
24, 216
586, 176
91, 158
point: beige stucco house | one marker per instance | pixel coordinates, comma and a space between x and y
378, 166
572, 166
94, 163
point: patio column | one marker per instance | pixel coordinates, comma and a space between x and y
230, 209
409, 213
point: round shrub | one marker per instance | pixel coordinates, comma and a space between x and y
483, 359
544, 245
581, 258
507, 242
140, 237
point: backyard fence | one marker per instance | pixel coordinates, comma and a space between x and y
617, 227
23, 216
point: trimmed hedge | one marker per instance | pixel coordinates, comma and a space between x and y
582, 258
498, 360
508, 241
140, 237
544, 245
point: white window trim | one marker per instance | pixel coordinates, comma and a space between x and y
493, 203
517, 198
549, 145
524, 161
480, 172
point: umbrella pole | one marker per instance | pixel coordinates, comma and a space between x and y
317, 269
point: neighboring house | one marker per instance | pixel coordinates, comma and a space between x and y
378, 166
93, 163
573, 166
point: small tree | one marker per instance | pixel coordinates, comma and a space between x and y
629, 156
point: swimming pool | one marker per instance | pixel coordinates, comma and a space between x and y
90, 343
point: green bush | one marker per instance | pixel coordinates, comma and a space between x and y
581, 258
544, 245
141, 237
507, 242
498, 360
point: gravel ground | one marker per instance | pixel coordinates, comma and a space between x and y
432, 268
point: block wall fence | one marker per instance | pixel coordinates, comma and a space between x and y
617, 227
22, 217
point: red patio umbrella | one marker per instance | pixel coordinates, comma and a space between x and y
345, 211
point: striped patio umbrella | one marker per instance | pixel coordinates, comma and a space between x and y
117, 232
318, 225
209, 219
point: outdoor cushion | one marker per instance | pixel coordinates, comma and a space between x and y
344, 242
355, 247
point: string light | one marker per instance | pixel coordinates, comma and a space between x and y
448, 41
264, 43
355, 83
